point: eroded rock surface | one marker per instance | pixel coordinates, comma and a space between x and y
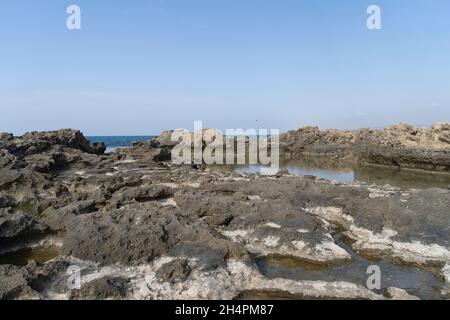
332, 143
406, 147
17, 223
401, 146
141, 227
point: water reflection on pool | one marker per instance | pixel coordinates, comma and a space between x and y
345, 173
23, 257
341, 176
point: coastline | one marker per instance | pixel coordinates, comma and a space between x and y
142, 227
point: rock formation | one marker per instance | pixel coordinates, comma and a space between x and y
312, 141
401, 146
406, 147
141, 227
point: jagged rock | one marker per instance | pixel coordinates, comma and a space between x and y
400, 146
14, 284
14, 224
311, 141
262, 227
201, 138
406, 147
31, 281
6, 159
400, 294
46, 163
165, 139
22, 186
148, 151
6, 136
5, 202
147, 229
38, 142
62, 218
106, 288
175, 271
140, 232
8, 177
47, 152
142, 194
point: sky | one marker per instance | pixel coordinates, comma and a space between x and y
139, 67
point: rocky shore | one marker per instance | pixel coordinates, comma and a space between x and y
401, 146
139, 227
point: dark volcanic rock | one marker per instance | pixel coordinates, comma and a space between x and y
25, 283
20, 185
60, 218
14, 284
106, 288
14, 224
6, 159
47, 152
149, 151
124, 215
138, 233
142, 194
175, 271
46, 163
8, 177
5, 202
38, 142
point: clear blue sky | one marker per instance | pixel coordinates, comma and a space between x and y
138, 67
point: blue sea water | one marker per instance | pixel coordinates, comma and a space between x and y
113, 142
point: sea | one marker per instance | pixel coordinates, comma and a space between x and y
114, 142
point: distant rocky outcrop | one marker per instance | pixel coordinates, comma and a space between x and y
165, 139
168, 138
311, 141
401, 146
46, 151
38, 142
213, 138
406, 147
